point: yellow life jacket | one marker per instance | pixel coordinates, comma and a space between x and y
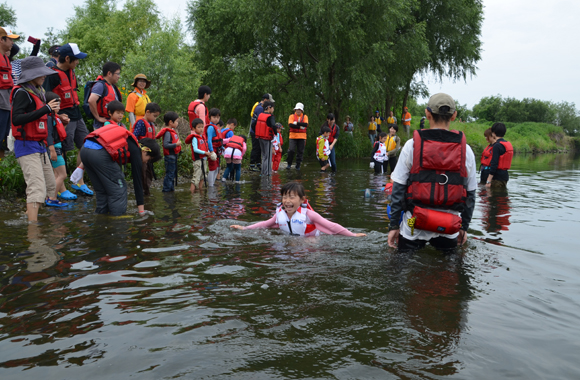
141, 103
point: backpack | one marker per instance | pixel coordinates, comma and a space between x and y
87, 93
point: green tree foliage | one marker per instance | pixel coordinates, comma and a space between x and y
335, 56
7, 15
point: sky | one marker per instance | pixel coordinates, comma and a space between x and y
529, 46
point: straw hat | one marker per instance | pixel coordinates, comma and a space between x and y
141, 76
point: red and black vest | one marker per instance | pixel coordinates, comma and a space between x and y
201, 145
36, 130
114, 139
262, 131
505, 160
149, 130
236, 142
66, 90
217, 141
486, 155
174, 140
6, 81
60, 129
333, 132
300, 119
438, 176
111, 93
225, 132
192, 113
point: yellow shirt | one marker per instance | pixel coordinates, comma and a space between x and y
390, 120
136, 103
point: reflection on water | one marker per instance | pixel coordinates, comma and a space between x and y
180, 295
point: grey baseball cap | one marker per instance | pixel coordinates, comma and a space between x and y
441, 100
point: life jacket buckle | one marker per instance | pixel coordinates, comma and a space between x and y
446, 179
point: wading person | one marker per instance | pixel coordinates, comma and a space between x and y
256, 152
332, 139
501, 159
197, 109
393, 145
298, 123
265, 128
434, 182
486, 155
102, 155
138, 99
6, 84
30, 130
103, 92
407, 120
65, 85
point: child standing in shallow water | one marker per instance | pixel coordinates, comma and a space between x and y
295, 216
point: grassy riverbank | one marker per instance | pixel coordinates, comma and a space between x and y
525, 137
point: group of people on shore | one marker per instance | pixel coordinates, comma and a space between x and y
433, 182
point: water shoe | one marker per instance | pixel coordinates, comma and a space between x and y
67, 195
55, 203
84, 188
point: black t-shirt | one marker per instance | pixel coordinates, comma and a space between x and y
50, 83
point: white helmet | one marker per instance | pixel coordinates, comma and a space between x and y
299, 106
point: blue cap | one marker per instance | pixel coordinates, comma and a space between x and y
71, 50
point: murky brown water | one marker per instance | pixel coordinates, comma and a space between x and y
180, 295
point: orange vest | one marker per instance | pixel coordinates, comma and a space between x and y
193, 115
297, 133
114, 139
66, 89
36, 130
174, 140
262, 130
6, 82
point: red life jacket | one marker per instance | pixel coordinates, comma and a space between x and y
486, 155
191, 112
438, 176
201, 145
114, 139
236, 142
60, 129
6, 81
66, 90
262, 131
505, 160
225, 132
333, 132
111, 93
174, 140
36, 130
217, 141
298, 119
149, 130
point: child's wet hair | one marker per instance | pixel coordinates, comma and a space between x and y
293, 187
195, 122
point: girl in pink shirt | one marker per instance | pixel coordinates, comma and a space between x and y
295, 216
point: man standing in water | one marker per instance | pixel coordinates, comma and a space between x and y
434, 182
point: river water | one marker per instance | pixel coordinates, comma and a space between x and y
180, 295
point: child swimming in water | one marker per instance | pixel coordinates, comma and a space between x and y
295, 216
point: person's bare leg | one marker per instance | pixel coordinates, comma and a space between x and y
59, 177
32, 211
81, 182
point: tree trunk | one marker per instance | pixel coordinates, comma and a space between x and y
405, 98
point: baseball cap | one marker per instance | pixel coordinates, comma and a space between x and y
5, 32
441, 100
71, 50
269, 97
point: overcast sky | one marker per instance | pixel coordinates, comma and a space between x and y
529, 47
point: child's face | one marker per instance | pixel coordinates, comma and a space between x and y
231, 126
172, 124
151, 116
326, 135
392, 131
291, 201
199, 128
214, 119
117, 116
383, 139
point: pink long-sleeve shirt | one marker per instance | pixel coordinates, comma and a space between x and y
322, 225
237, 154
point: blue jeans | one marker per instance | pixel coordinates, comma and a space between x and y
332, 159
170, 173
373, 138
236, 168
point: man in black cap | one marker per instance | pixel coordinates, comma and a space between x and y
256, 153
434, 182
66, 87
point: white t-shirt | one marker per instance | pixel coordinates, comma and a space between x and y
401, 175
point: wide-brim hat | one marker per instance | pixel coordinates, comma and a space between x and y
141, 76
32, 68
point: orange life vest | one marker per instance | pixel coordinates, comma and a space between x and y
114, 139
174, 140
149, 130
217, 141
60, 129
300, 119
66, 90
505, 160
262, 130
191, 112
486, 155
36, 130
